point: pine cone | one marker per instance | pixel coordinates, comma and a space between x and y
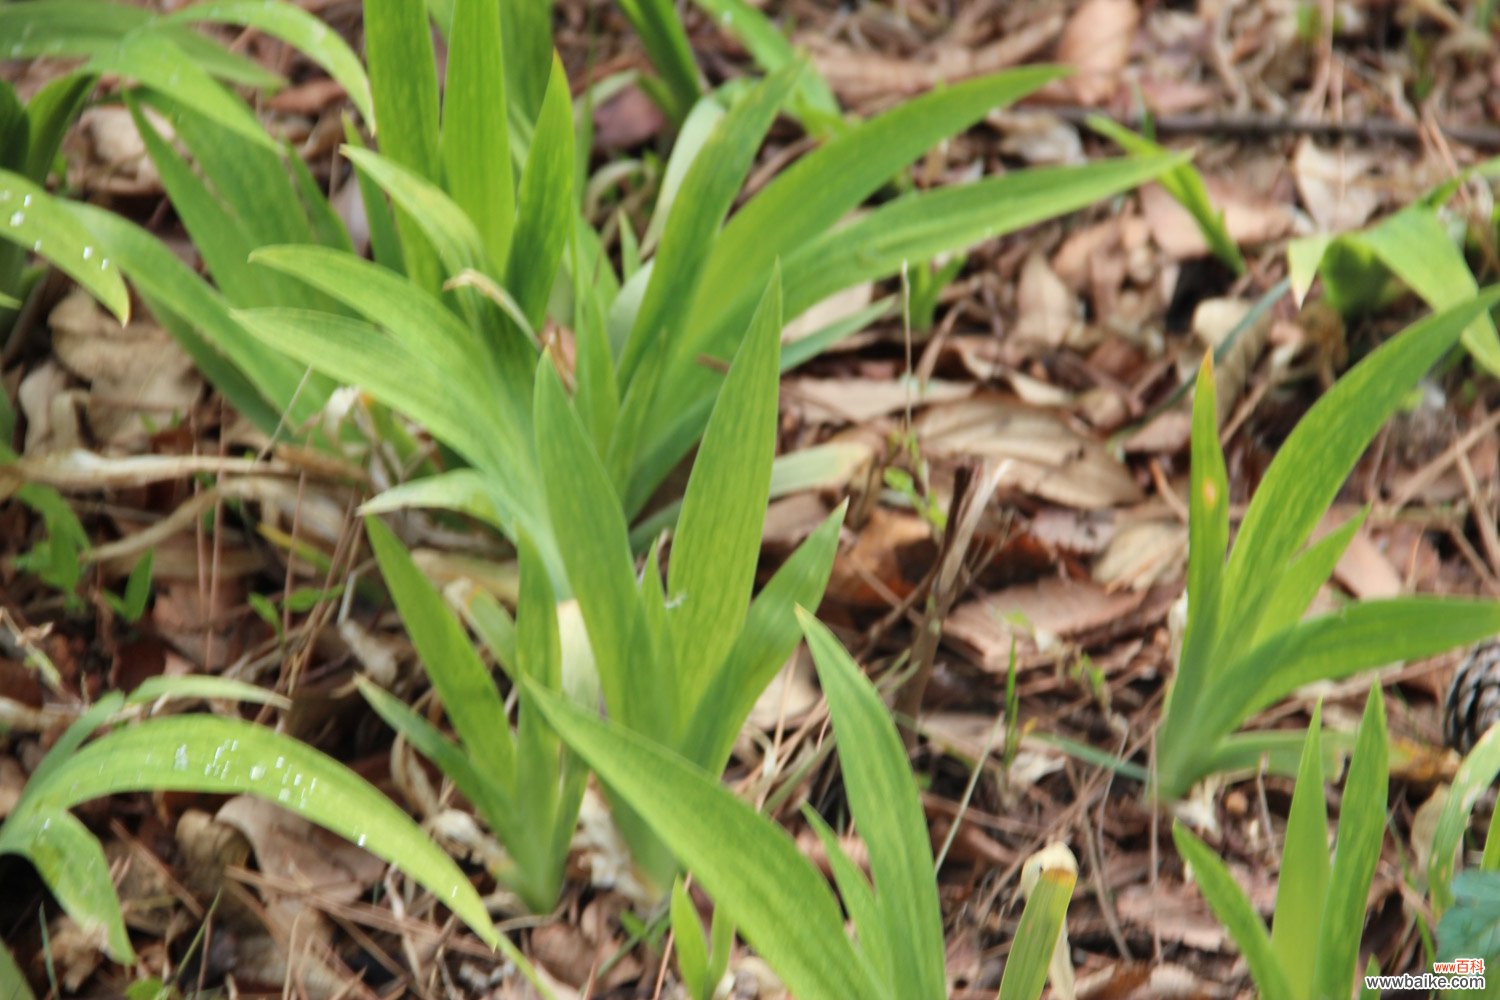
1473, 702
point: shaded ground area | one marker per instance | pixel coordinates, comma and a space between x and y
1050, 361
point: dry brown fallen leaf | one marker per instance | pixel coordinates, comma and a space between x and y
1096, 43
852, 400
1049, 315
1251, 218
1048, 458
1035, 616
138, 377
1142, 554
861, 77
1335, 187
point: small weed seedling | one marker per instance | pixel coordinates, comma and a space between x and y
1312, 950
1246, 644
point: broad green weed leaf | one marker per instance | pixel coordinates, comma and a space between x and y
690, 943
1305, 574
1228, 901
1361, 831
403, 85
32, 219
659, 25
804, 200
708, 190
1208, 541
595, 550
766, 639
223, 756
859, 900
1315, 459
83, 28
151, 60
1302, 885
1475, 776
49, 113
546, 202
297, 28
1418, 250
717, 544
461, 679
749, 865
1036, 936
475, 141
72, 863
1471, 928
883, 797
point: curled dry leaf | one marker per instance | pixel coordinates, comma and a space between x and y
51, 410
138, 377
1035, 616
1049, 315
860, 77
1335, 187
116, 159
852, 400
1048, 458
1143, 554
1096, 43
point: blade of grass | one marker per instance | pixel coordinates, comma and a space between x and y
1230, 905
475, 142
297, 28
1036, 936
717, 545
883, 797
32, 219
546, 202
1302, 884
1361, 831
766, 639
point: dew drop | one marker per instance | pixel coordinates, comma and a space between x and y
283, 795
359, 841
280, 762
88, 252
103, 263
17, 218
26, 201
257, 772
180, 759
